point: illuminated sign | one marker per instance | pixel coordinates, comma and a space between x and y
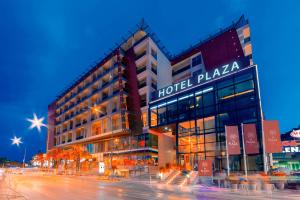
200, 79
291, 150
295, 133
101, 168
290, 146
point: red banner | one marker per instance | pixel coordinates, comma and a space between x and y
272, 137
205, 168
250, 139
232, 140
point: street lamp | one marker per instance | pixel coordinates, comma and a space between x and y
17, 141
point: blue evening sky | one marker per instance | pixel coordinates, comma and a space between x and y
44, 45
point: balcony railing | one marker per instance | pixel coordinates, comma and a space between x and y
140, 70
95, 78
143, 103
142, 85
114, 110
79, 137
78, 124
154, 70
181, 70
140, 55
154, 86
154, 54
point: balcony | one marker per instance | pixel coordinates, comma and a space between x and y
181, 70
80, 89
141, 55
114, 110
143, 103
154, 70
140, 70
105, 83
154, 86
104, 96
78, 124
154, 54
141, 85
79, 137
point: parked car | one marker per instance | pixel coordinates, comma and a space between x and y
293, 181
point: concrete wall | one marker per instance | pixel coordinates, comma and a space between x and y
164, 70
166, 153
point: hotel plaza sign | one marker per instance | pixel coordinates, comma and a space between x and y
200, 79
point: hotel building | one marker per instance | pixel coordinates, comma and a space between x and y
124, 107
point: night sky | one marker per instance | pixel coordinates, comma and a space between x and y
45, 45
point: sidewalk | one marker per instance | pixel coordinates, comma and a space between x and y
8, 193
229, 194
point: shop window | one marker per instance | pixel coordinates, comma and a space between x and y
245, 101
200, 126
200, 147
209, 124
186, 128
144, 118
246, 115
153, 117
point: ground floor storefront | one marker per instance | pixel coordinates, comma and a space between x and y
195, 121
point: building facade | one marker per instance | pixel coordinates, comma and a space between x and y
290, 156
139, 105
105, 111
215, 83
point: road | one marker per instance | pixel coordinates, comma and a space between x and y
61, 187
45, 187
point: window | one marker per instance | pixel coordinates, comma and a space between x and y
172, 111
208, 99
209, 124
162, 118
244, 86
153, 117
185, 107
196, 60
144, 118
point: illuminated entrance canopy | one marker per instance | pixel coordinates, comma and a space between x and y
199, 79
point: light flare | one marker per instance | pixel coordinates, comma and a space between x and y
36, 122
16, 141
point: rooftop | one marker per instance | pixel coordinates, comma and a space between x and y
143, 26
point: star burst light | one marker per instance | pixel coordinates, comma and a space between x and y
16, 141
36, 122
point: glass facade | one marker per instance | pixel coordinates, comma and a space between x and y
200, 115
